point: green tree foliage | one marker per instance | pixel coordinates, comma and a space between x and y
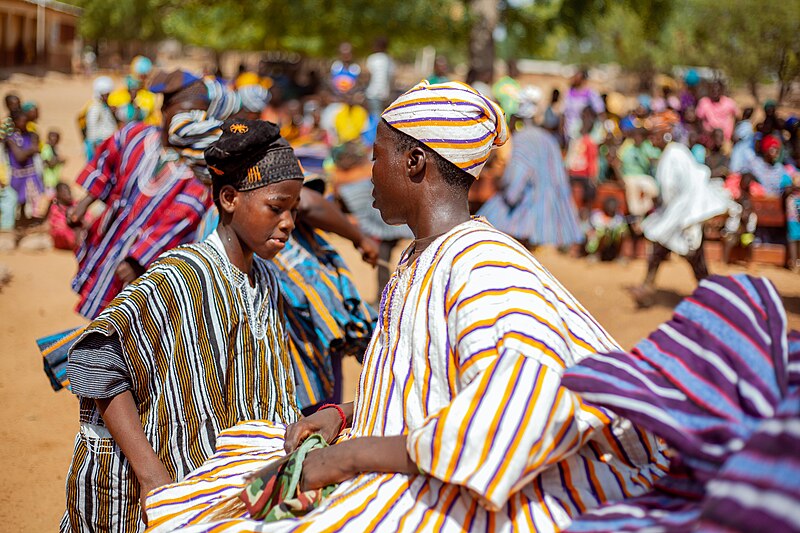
750, 42
123, 19
634, 35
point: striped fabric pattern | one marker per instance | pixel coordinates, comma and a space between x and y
325, 316
54, 350
192, 132
720, 382
153, 204
535, 203
466, 361
204, 352
453, 119
223, 101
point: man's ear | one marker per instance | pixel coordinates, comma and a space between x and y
228, 198
417, 159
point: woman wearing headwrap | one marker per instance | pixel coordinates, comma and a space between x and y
100, 120
194, 346
534, 204
767, 168
460, 423
154, 200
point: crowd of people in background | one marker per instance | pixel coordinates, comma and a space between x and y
602, 138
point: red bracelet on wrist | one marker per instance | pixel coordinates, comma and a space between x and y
339, 410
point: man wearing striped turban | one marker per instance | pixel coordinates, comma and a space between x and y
460, 421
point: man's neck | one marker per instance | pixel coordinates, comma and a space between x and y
439, 219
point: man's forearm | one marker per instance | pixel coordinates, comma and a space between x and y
381, 454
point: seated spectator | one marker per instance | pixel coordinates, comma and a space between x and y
768, 169
772, 124
638, 157
689, 125
717, 111
583, 162
607, 229
716, 159
743, 147
740, 227
791, 187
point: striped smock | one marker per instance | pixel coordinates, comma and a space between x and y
202, 351
153, 202
467, 361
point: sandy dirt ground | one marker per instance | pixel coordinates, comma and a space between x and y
37, 426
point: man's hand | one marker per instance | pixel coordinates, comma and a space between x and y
347, 459
328, 466
369, 250
159, 479
326, 422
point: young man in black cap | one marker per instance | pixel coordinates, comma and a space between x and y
192, 347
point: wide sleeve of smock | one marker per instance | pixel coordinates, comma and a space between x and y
96, 367
511, 418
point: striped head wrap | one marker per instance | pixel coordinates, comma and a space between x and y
452, 119
223, 102
254, 97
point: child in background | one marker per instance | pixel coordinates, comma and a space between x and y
22, 149
791, 188
53, 163
583, 163
739, 229
607, 228
66, 236
31, 110
716, 159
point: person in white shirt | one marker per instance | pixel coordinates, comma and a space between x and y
381, 77
100, 120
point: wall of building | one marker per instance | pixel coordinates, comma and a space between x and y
18, 45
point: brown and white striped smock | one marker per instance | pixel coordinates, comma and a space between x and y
200, 350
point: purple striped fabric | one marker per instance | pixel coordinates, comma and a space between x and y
719, 383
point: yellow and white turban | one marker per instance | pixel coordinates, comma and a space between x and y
453, 119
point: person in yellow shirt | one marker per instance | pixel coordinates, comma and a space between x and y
351, 120
133, 102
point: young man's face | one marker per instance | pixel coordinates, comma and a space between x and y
53, 138
263, 218
388, 174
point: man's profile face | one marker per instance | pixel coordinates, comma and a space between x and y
388, 176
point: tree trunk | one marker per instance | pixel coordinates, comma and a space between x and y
753, 84
218, 60
485, 14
